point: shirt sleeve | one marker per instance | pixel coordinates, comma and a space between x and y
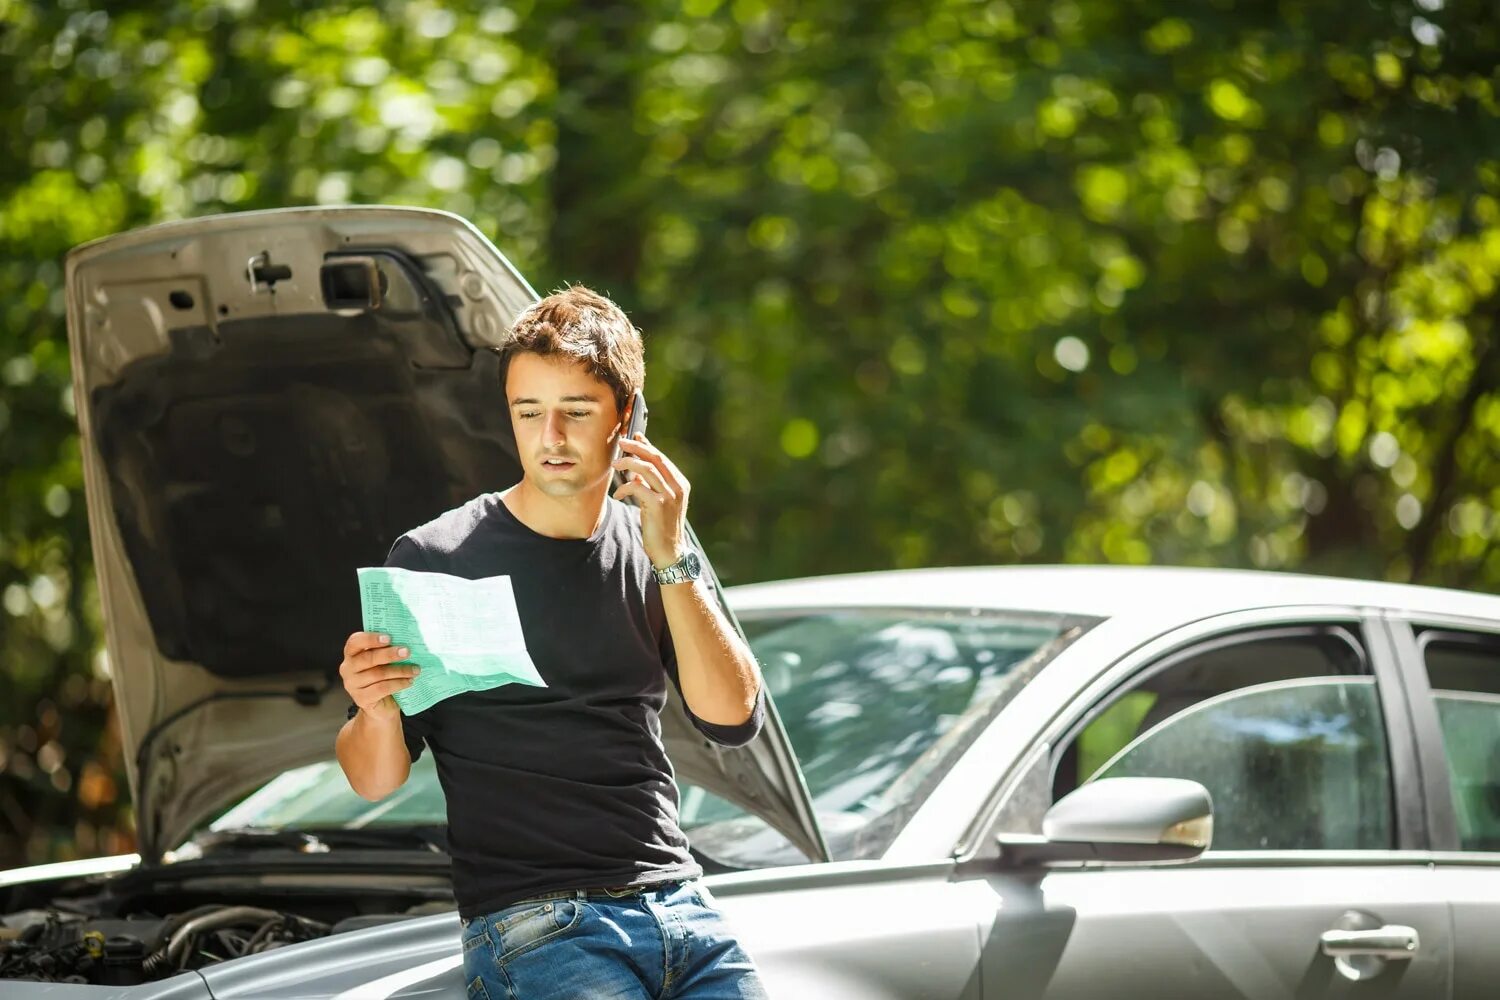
415, 729
729, 736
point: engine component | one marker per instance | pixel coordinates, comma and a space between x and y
57, 946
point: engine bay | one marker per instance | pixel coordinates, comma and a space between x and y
132, 931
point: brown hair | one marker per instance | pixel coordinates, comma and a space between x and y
580, 324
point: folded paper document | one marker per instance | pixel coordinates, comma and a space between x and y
464, 634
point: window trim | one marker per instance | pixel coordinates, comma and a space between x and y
1410, 646
1192, 637
1408, 775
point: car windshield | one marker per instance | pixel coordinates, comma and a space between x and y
877, 703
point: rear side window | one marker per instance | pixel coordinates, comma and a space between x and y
1463, 669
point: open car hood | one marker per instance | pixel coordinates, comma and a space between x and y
266, 401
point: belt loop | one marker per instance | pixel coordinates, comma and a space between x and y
580, 894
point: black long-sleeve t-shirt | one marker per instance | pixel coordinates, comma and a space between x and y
565, 786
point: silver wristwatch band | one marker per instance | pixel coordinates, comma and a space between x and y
684, 569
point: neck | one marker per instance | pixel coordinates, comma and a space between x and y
576, 516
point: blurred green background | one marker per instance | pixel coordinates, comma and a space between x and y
922, 284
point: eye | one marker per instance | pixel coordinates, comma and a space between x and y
526, 416
578, 414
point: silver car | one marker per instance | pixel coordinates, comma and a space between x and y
976, 782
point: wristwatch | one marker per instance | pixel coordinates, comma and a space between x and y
689, 567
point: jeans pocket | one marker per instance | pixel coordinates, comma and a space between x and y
520, 932
476, 989
475, 934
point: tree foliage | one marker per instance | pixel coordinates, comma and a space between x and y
922, 284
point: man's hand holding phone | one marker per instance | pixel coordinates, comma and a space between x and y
371, 676
660, 490
648, 479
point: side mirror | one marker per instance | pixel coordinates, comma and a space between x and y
1119, 819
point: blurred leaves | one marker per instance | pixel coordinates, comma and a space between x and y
962, 282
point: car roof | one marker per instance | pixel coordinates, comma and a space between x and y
1103, 591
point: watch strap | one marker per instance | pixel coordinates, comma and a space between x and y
686, 568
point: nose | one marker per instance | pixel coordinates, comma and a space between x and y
552, 431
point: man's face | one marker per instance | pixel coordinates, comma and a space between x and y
566, 423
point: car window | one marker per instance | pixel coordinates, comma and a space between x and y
1185, 678
1283, 726
1290, 765
876, 703
1464, 672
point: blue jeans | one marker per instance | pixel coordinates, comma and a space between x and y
668, 942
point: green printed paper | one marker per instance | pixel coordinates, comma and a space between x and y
464, 634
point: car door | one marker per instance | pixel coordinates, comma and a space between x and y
1453, 679
1298, 729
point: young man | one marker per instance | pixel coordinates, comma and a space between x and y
571, 874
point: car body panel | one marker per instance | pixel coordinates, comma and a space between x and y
419, 955
1470, 882
843, 930
1177, 594
886, 934
185, 986
82, 867
1205, 930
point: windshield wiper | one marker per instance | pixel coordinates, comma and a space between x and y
320, 840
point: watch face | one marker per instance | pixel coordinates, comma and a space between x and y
684, 569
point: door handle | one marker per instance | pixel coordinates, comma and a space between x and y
1361, 945
1390, 941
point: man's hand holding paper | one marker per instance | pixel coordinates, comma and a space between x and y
464, 634
371, 674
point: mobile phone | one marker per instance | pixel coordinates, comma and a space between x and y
637, 426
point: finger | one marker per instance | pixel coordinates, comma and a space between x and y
669, 472
674, 474
379, 657
381, 675
378, 691
647, 472
371, 660
640, 493
361, 641
638, 448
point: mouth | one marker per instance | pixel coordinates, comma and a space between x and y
557, 465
